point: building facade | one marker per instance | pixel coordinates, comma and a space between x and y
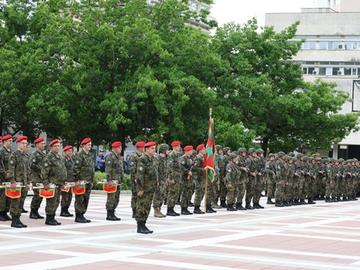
331, 52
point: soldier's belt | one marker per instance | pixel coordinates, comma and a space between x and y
12, 192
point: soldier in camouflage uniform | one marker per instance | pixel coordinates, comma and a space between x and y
175, 177
222, 172
146, 183
231, 179
5, 154
53, 172
198, 175
242, 178
66, 196
84, 170
271, 170
260, 179
134, 159
186, 167
114, 170
310, 180
161, 190
280, 191
253, 174
36, 164
18, 171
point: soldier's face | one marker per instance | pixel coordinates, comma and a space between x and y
7, 143
40, 146
117, 150
69, 153
87, 147
23, 146
261, 155
176, 148
55, 148
151, 150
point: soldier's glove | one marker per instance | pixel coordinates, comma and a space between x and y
140, 193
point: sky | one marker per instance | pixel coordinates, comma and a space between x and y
240, 11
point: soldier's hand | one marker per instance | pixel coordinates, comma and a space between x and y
140, 193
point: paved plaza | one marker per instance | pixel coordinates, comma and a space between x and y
321, 236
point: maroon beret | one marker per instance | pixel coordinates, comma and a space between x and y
86, 141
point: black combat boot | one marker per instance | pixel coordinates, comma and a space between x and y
279, 204
258, 206
223, 204
79, 218
240, 207
146, 228
114, 216
4, 216
230, 207
141, 227
53, 217
171, 212
190, 204
248, 206
209, 209
34, 214
110, 215
50, 220
310, 201
185, 211
269, 201
197, 210
87, 220
65, 212
23, 211
16, 223
327, 199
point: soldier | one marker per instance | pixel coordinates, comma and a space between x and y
53, 172
271, 169
242, 178
84, 170
66, 196
186, 167
253, 174
175, 177
5, 154
280, 191
114, 174
260, 179
160, 191
198, 175
146, 177
231, 177
36, 164
221, 161
18, 172
133, 168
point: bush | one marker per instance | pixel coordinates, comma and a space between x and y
101, 175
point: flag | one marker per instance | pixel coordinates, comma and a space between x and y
210, 151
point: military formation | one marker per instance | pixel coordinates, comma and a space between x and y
165, 176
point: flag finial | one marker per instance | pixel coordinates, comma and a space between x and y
210, 112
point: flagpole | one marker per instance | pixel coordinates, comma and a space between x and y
206, 171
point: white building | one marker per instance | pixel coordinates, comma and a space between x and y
331, 52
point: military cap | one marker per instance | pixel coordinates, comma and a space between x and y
271, 155
341, 160
259, 151
200, 147
281, 153
6, 137
150, 144
175, 143
163, 147
252, 150
116, 144
218, 147
188, 148
53, 142
85, 141
299, 155
39, 140
226, 149
67, 148
242, 149
233, 155
21, 138
291, 154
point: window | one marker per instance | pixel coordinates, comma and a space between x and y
323, 45
347, 71
305, 70
322, 71
311, 71
336, 71
354, 72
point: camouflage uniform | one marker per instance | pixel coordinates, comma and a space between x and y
114, 170
253, 174
186, 167
175, 178
270, 169
280, 191
161, 186
36, 164
134, 160
66, 197
198, 176
84, 170
53, 172
242, 180
4, 167
231, 178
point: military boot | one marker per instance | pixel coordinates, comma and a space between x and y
248, 206
4, 216
185, 211
279, 204
269, 201
65, 212
240, 207
310, 201
223, 204
110, 215
16, 223
327, 199
141, 228
190, 204
171, 212
147, 229
157, 213
197, 210
79, 218
23, 211
230, 207
258, 206
210, 210
50, 220
87, 220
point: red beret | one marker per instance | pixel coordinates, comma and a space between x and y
116, 144
149, 144
39, 140
67, 148
175, 143
200, 147
55, 141
21, 138
6, 137
188, 148
140, 144
85, 141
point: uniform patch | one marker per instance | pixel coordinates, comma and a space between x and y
141, 168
